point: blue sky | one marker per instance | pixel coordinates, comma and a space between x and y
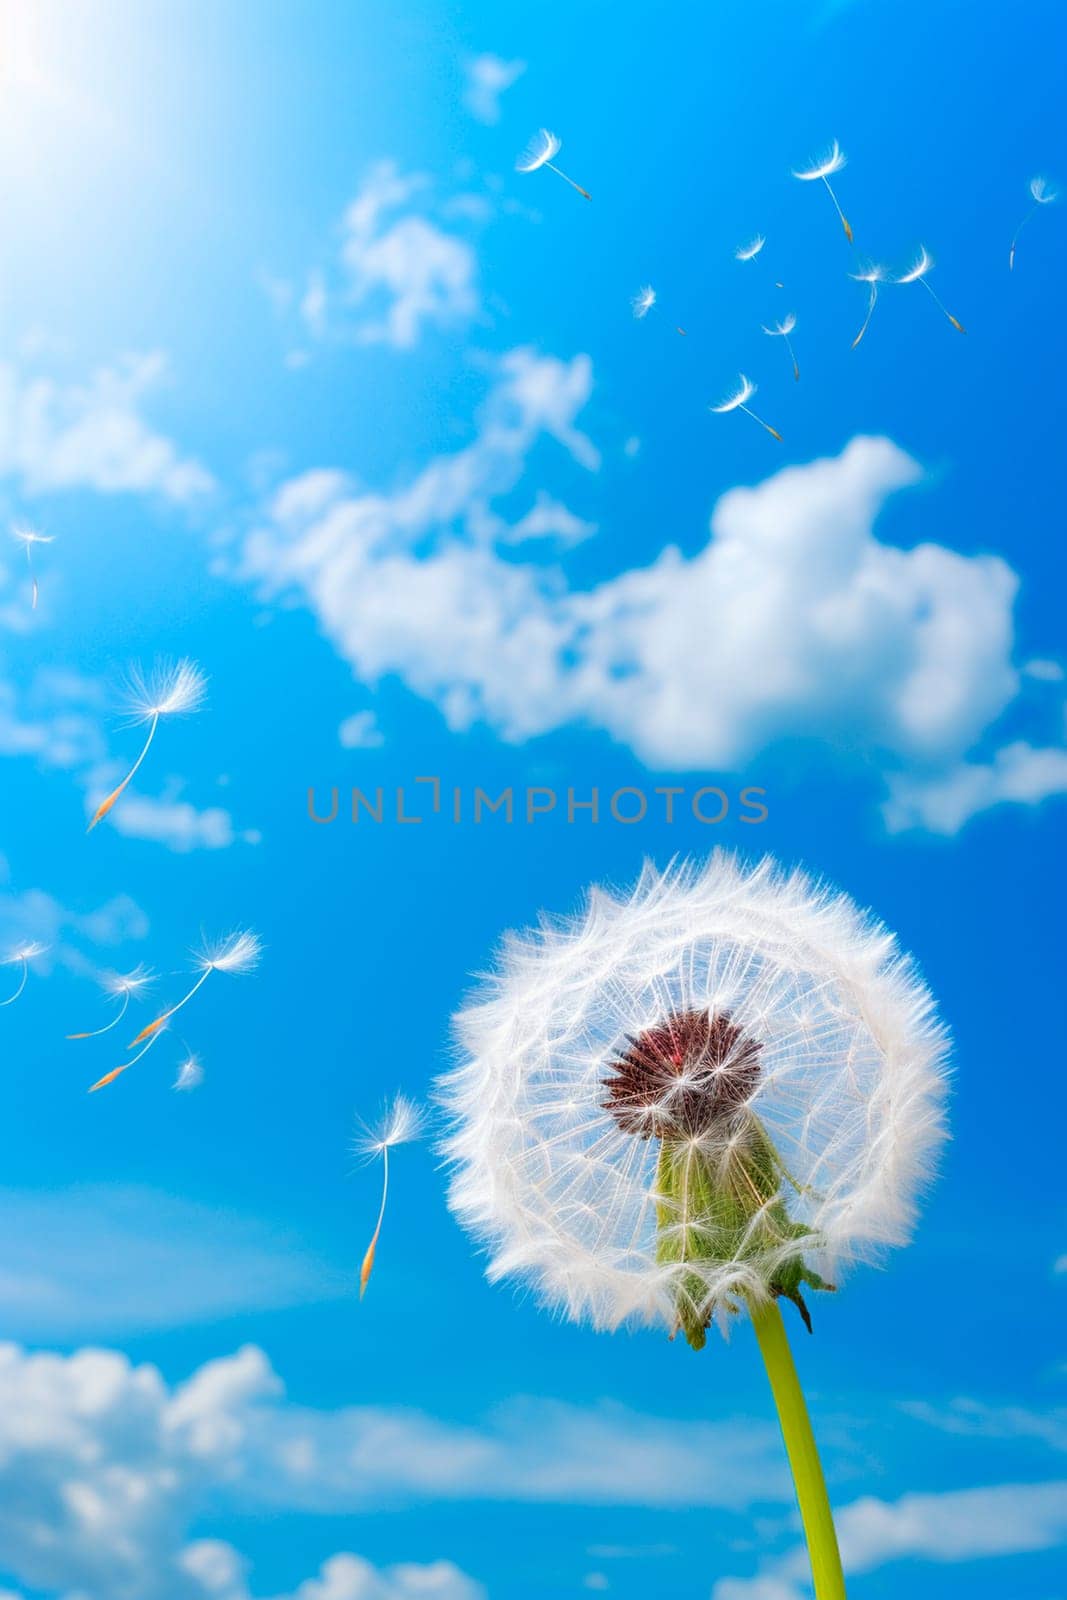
307, 384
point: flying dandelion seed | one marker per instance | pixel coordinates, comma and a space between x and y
116, 1072
121, 986
924, 263
190, 1075
823, 170
749, 251
28, 537
540, 152
782, 330
171, 691
738, 402
21, 956
642, 304
697, 1101
401, 1122
872, 276
238, 953
1042, 194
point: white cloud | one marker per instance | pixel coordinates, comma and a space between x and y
111, 1260
37, 915
976, 1419
176, 823
105, 1471
420, 272
57, 435
794, 618
943, 803
360, 731
961, 1525
487, 78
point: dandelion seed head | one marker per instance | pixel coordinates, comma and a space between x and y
29, 951
871, 273
1042, 191
713, 994
401, 1122
643, 301
28, 536
171, 689
782, 329
190, 1074
825, 166
128, 983
238, 952
544, 146
740, 397
748, 252
922, 264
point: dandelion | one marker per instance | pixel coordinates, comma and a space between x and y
28, 537
1042, 194
540, 152
121, 986
872, 275
924, 263
21, 957
400, 1123
190, 1075
642, 304
738, 402
749, 251
823, 170
116, 1072
238, 953
694, 1102
782, 330
171, 691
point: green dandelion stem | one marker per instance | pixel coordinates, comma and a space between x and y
803, 1456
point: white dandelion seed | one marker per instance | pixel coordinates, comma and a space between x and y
642, 304
701, 1098
541, 152
28, 537
21, 956
738, 401
822, 171
872, 275
238, 953
400, 1123
190, 1075
782, 330
171, 691
120, 986
1043, 194
643, 301
116, 1072
917, 273
749, 251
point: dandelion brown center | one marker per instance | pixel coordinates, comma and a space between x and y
683, 1077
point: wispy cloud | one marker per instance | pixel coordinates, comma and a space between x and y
487, 78
110, 1260
977, 1419
60, 435
960, 1525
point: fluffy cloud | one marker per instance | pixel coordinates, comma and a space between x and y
92, 435
487, 78
793, 620
104, 1471
963, 1525
39, 916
